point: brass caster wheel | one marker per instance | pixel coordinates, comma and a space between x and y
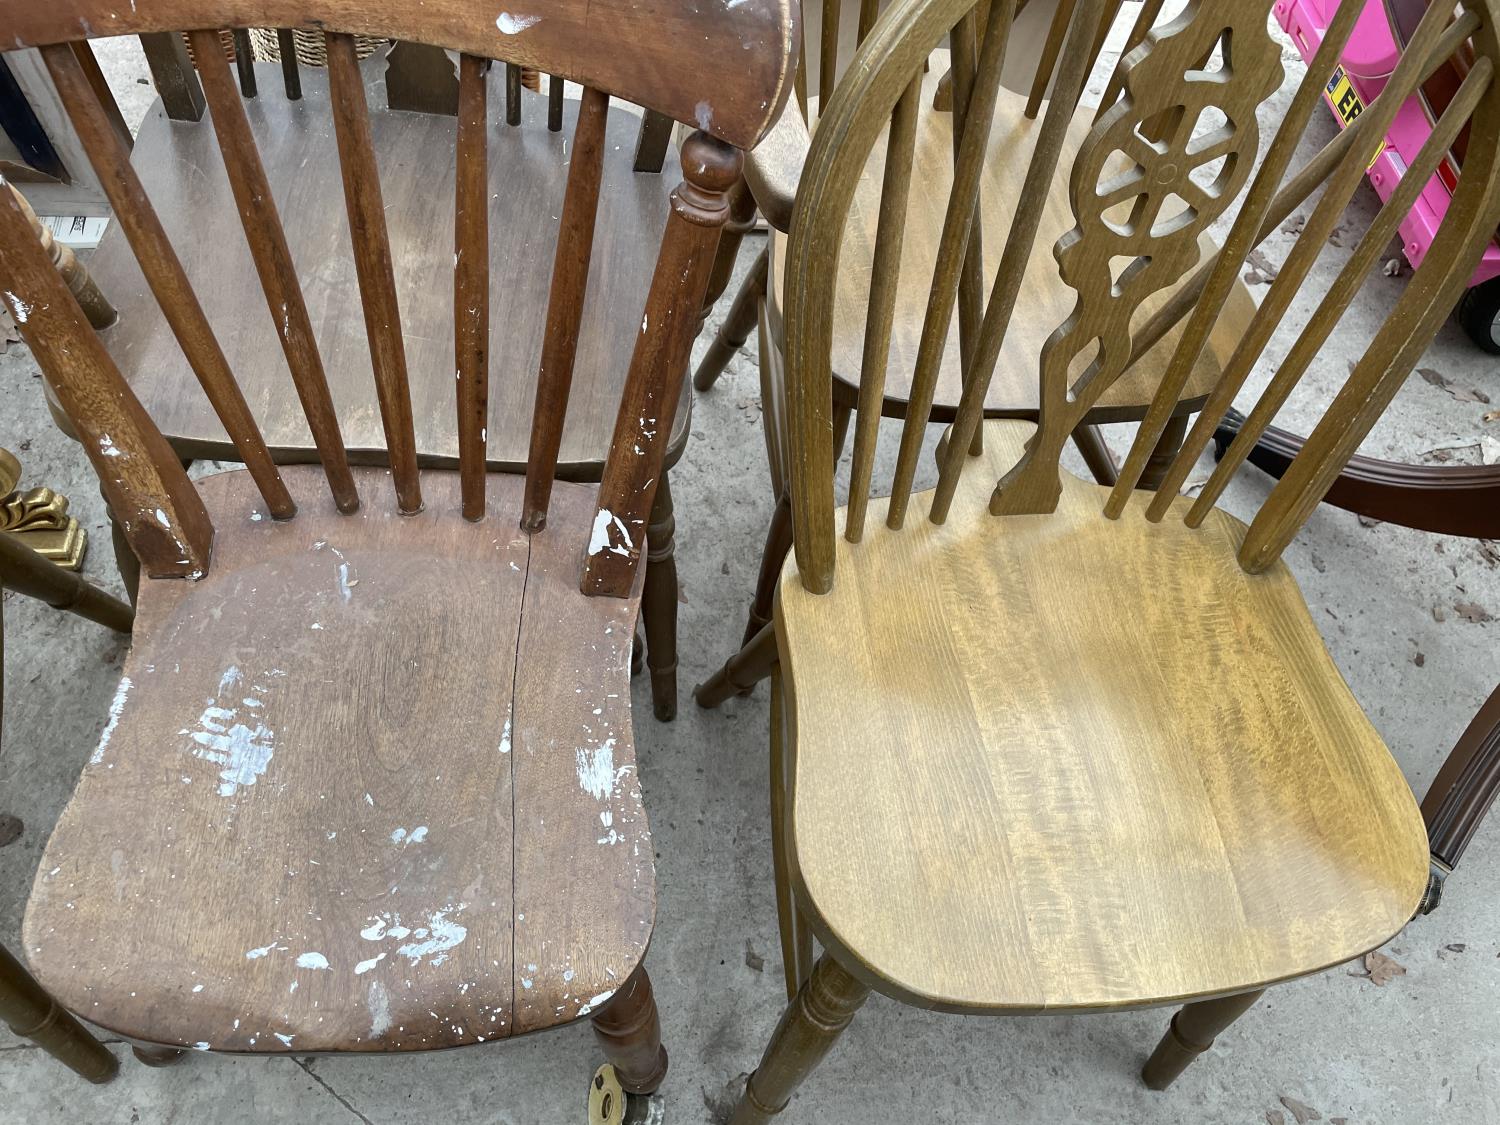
611, 1105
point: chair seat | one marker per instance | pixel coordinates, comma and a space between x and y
359, 789
1060, 762
180, 166
1044, 303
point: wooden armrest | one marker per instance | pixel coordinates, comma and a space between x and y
773, 169
1465, 787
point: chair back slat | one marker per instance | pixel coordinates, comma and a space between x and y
964, 42
651, 146
512, 94
658, 366
291, 76
373, 265
471, 282
885, 275
1256, 219
828, 52
1338, 297
244, 61
952, 249
273, 263
163, 271
554, 103
143, 482
173, 75
869, 12
1288, 284
570, 274
1019, 246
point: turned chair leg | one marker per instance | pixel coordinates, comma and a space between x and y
736, 327
659, 604
32, 1014
741, 672
812, 1024
1096, 455
1166, 449
1191, 1032
629, 1031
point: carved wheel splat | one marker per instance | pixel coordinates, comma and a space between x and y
1188, 109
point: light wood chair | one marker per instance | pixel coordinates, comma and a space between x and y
1027, 757
368, 783
286, 107
928, 153
27, 1009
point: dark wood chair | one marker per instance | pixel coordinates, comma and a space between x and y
1027, 757
930, 146
368, 783
286, 107
25, 1006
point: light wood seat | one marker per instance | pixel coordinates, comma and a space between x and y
319, 819
180, 165
1045, 300
1060, 762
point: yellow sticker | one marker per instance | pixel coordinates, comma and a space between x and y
1347, 104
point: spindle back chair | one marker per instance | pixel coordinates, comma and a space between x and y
368, 781
1103, 759
894, 235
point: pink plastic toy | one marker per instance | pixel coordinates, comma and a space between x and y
1369, 58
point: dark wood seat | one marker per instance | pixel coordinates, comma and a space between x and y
180, 166
319, 819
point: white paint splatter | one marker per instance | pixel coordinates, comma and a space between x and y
346, 587
108, 447
244, 751
201, 1047
286, 1039
596, 769
505, 737
311, 961
415, 836
436, 938
380, 1009
116, 706
604, 519
256, 954
22, 308
365, 966
197, 988
509, 25
589, 1005
704, 113
230, 677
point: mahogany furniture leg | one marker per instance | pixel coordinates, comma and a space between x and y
1461, 794
737, 325
772, 555
34, 1015
629, 1031
807, 1031
1166, 449
1191, 1032
1096, 455
659, 604
126, 561
149, 1054
741, 672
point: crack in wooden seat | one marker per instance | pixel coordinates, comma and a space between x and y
327, 814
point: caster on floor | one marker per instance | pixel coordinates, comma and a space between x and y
611, 1105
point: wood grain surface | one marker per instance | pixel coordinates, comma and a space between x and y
1122, 771
657, 53
179, 164
319, 818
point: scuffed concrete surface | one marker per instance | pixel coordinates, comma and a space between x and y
1423, 1048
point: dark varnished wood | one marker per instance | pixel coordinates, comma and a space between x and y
565, 305
421, 78
153, 885
25, 571
651, 145
164, 273
173, 75
244, 62
1465, 788
658, 366
373, 265
32, 1014
261, 222
291, 76
1191, 1032
625, 47
143, 483
629, 1031
512, 94
471, 282
182, 172
737, 325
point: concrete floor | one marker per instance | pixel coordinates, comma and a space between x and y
1423, 1048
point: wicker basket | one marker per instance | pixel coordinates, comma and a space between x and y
310, 49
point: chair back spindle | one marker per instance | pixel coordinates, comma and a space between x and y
732, 106
1173, 148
